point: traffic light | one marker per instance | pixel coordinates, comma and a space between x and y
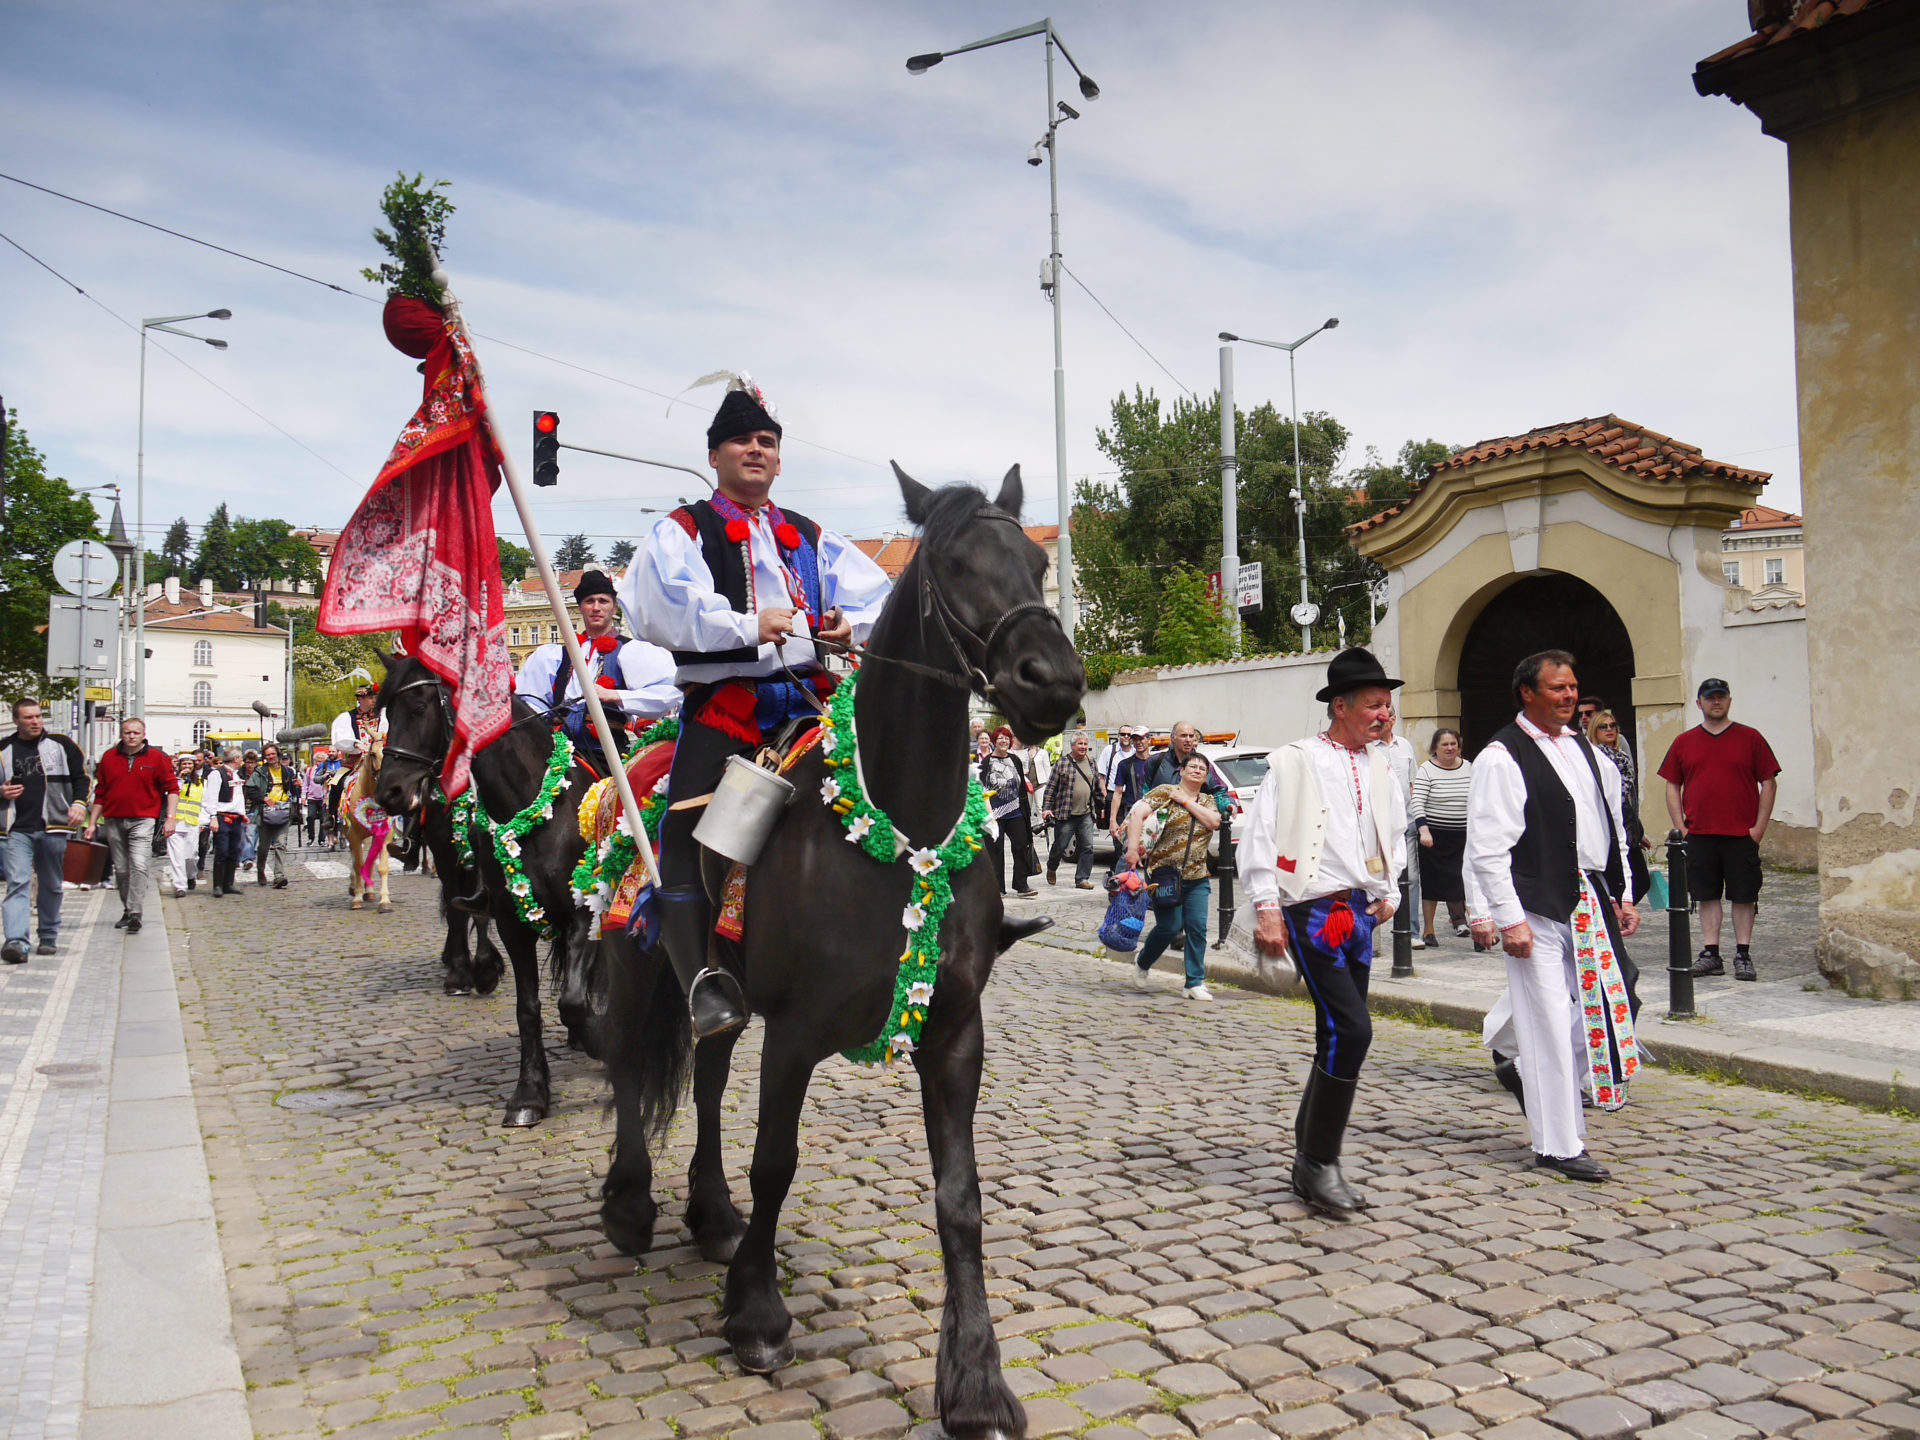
546, 448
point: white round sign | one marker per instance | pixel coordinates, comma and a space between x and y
1305, 613
85, 568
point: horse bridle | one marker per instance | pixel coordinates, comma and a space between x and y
400, 752
933, 603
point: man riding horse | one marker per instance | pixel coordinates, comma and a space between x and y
732, 586
635, 679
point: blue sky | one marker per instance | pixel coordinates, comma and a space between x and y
1521, 214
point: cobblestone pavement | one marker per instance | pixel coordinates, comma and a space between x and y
401, 1266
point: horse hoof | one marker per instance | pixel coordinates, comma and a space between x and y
757, 1357
386, 908
627, 1235
519, 1117
456, 989
718, 1250
357, 905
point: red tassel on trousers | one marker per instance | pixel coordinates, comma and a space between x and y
1337, 928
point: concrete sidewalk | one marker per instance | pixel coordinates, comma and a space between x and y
1790, 1029
114, 1317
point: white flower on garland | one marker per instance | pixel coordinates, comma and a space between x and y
924, 859
920, 993
900, 1046
857, 831
660, 785
914, 917
829, 740
829, 789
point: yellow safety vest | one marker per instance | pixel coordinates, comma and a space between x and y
187, 812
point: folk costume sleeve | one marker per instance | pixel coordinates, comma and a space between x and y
650, 692
1259, 846
851, 580
534, 683
1496, 816
671, 601
343, 737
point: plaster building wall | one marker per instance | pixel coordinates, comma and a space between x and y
1269, 701
1855, 196
241, 665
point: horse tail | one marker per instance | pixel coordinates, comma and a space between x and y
649, 1044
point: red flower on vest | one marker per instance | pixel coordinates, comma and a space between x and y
787, 534
736, 530
605, 682
601, 644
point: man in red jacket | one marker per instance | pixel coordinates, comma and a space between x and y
134, 788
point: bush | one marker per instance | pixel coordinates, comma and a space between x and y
1101, 668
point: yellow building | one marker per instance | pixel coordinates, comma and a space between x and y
1840, 84
1764, 554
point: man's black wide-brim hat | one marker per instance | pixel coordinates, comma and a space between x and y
740, 413
1354, 669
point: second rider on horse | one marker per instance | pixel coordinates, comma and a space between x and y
732, 586
635, 679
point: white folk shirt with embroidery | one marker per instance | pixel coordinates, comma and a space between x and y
646, 670
1351, 839
1496, 818
670, 599
345, 738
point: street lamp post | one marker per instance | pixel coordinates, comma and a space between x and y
1304, 614
1058, 112
1229, 500
163, 323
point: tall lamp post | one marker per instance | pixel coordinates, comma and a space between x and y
164, 323
1304, 613
1058, 113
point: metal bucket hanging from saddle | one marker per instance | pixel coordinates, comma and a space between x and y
746, 805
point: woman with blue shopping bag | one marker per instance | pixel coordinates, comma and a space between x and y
1167, 834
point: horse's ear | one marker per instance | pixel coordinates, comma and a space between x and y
1012, 494
914, 493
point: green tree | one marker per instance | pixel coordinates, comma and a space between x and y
214, 560
177, 549
575, 553
267, 550
1193, 626
43, 513
515, 560
620, 553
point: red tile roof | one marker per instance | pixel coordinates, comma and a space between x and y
891, 553
1765, 517
1780, 21
188, 615
1643, 453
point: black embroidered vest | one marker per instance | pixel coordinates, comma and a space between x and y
727, 562
1546, 857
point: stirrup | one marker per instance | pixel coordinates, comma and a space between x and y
715, 1008
474, 904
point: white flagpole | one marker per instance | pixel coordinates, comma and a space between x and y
629, 806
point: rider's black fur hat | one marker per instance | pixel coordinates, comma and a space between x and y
740, 413
592, 582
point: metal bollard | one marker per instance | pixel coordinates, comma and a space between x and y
1679, 932
1228, 864
1403, 933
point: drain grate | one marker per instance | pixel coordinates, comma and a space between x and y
320, 1099
68, 1067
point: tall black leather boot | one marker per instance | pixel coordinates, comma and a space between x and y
1506, 1069
713, 995
1324, 1111
473, 903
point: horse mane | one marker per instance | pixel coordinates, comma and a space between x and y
950, 509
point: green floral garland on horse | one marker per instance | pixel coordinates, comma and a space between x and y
467, 812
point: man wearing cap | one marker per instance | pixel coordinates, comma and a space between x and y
1545, 874
352, 729
635, 679
1326, 836
1720, 790
733, 588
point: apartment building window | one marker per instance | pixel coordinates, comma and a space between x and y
203, 652
1776, 571
553, 633
202, 694
1731, 569
200, 730
513, 634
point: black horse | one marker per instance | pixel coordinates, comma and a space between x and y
470, 963
506, 777
824, 932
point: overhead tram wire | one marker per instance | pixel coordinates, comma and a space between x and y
1129, 334
93, 300
375, 300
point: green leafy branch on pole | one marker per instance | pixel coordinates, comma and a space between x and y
418, 212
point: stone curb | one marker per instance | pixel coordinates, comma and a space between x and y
162, 1361
1709, 1047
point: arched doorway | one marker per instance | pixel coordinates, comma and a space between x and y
1543, 612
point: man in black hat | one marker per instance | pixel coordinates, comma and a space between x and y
352, 729
1324, 840
635, 679
733, 587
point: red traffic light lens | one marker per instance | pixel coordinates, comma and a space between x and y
546, 422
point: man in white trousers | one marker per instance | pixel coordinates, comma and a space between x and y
1546, 859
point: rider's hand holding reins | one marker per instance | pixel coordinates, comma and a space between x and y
836, 627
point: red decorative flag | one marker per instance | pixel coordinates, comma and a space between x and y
419, 554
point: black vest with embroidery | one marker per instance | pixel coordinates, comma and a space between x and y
727, 563
1546, 857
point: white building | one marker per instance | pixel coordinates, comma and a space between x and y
209, 665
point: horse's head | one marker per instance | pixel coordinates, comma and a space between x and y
419, 730
982, 582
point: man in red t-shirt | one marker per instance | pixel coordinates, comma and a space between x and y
134, 789
1720, 792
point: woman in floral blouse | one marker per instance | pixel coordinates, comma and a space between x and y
1167, 837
